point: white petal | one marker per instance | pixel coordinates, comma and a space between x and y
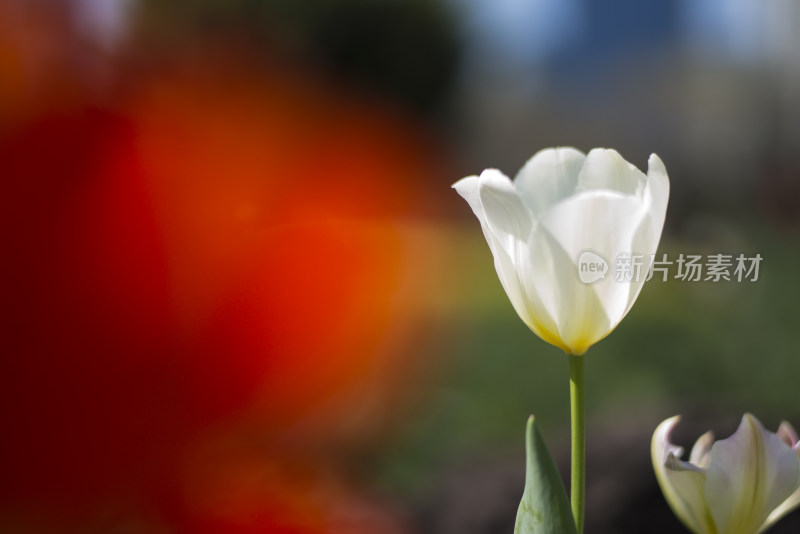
525, 298
606, 169
648, 235
749, 475
576, 316
505, 214
549, 177
531, 312
681, 483
701, 451
656, 198
603, 222
468, 189
794, 499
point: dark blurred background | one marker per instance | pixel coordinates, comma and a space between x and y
239, 296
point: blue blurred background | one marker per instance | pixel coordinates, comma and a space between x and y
238, 294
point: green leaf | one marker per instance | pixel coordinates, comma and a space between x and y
545, 507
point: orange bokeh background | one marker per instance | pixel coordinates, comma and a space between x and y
203, 312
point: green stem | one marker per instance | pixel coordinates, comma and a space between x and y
578, 427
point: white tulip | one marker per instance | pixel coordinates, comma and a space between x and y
566, 209
739, 485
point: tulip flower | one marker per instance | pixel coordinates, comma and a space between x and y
739, 485
552, 232
554, 229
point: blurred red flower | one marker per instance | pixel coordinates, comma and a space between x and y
199, 287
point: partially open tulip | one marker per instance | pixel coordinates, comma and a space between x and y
555, 230
739, 485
